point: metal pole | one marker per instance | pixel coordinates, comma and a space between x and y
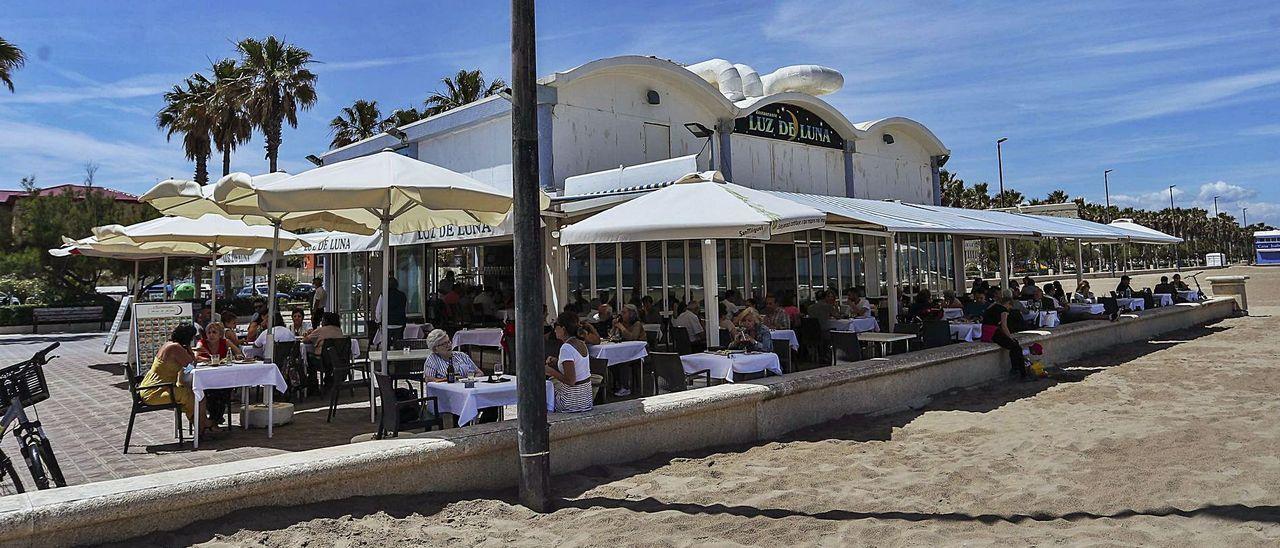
385, 302
137, 282
891, 277
1000, 162
269, 352
531, 411
711, 292
1173, 219
1106, 189
1004, 264
164, 276
1079, 262
213, 283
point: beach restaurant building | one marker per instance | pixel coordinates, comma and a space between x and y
615, 128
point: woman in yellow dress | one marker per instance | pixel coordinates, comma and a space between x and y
167, 368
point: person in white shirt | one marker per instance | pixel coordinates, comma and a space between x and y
317, 300
570, 370
728, 303
282, 334
689, 320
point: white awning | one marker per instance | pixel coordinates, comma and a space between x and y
892, 216
1144, 234
699, 205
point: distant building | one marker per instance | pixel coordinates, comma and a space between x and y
11, 200
1266, 247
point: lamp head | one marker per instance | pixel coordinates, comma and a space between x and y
398, 133
1001, 140
315, 160
698, 130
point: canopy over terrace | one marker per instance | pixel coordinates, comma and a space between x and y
699, 206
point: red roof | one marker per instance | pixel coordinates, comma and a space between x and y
8, 197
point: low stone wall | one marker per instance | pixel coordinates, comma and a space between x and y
484, 456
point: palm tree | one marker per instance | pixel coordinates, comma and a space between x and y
359, 121
186, 112
278, 83
11, 59
232, 125
404, 116
1057, 197
467, 86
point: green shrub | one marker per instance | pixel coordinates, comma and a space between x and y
16, 314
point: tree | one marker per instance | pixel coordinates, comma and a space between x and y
404, 116
278, 83
1057, 197
90, 171
467, 86
359, 121
186, 112
29, 184
11, 59
1008, 198
232, 125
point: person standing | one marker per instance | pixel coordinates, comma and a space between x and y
317, 300
395, 310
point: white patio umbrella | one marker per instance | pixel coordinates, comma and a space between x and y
214, 234
384, 191
699, 206
90, 247
1142, 234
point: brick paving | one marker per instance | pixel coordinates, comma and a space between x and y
88, 411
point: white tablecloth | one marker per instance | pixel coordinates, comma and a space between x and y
236, 376
859, 325
1131, 303
619, 352
1163, 299
952, 313
414, 331
1048, 319
1079, 308
723, 367
653, 327
1190, 296
466, 403
788, 335
489, 336
967, 332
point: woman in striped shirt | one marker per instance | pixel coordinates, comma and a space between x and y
443, 357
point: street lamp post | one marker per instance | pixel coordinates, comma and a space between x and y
1106, 192
1244, 224
1216, 234
1174, 220
1000, 162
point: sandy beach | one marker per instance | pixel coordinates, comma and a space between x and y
1172, 442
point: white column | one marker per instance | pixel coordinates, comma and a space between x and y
891, 276
711, 291
386, 284
1079, 261
271, 293
957, 264
1004, 263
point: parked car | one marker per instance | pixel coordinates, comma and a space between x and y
303, 292
260, 291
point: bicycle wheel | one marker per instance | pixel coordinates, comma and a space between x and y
31, 453
7, 469
51, 463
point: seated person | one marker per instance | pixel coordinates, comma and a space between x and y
297, 325
751, 334
1028, 288
330, 328
1179, 284
980, 285
587, 333
215, 344
443, 358
949, 299
773, 316
628, 326
172, 357
604, 313
692, 324
1047, 302
229, 327
1123, 289
858, 306
1058, 293
977, 306
648, 311
282, 334
1165, 287
1082, 294
570, 369
824, 308
923, 308
726, 320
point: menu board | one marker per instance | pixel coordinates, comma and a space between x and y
118, 323
150, 328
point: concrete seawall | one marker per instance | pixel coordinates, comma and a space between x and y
448, 461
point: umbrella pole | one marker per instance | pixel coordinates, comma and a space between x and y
213, 283
164, 277
386, 280
271, 293
137, 282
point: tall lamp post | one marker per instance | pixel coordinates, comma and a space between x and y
1244, 224
1216, 241
531, 412
1000, 162
1106, 192
1173, 219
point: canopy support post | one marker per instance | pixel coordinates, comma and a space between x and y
137, 281
1079, 261
213, 284
385, 301
1004, 263
269, 351
891, 276
711, 291
164, 278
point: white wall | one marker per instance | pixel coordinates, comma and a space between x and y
482, 151
900, 171
600, 123
770, 164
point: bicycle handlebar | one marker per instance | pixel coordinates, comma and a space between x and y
42, 357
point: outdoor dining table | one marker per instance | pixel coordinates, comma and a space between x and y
1131, 303
414, 331
1048, 318
619, 352
966, 331
1191, 296
885, 338
1163, 299
788, 335
466, 403
857, 325
1085, 308
725, 366
952, 313
237, 375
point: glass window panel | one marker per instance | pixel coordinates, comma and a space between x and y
845, 251
803, 289
675, 274
606, 273
832, 266
409, 262
757, 272
722, 268
580, 275
630, 291
737, 266
815, 265
695, 271
653, 273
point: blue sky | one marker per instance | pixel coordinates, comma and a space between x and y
1181, 93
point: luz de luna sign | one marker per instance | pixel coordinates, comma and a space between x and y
789, 123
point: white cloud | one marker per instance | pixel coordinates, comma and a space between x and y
1265, 130
144, 85
1226, 192
56, 155
1157, 101
1154, 200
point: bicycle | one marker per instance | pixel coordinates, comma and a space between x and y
23, 385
